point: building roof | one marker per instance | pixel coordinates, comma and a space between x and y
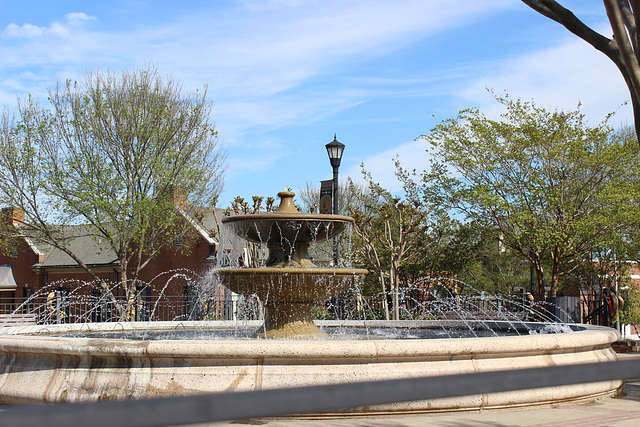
209, 222
81, 240
96, 251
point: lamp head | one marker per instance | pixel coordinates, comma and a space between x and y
335, 150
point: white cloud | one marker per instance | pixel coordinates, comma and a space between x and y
255, 61
75, 17
23, 31
58, 29
563, 76
253, 55
412, 155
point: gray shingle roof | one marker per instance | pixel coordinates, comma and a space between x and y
7, 281
95, 251
82, 242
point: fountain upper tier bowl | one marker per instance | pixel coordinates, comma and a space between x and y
276, 228
286, 232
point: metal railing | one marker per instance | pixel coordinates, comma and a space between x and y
88, 308
79, 309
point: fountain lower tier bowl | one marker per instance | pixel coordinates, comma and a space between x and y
36, 366
294, 284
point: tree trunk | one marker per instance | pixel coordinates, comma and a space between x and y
385, 302
539, 269
129, 311
555, 273
395, 286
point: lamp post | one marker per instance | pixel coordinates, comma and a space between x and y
334, 150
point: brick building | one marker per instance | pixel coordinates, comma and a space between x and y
30, 270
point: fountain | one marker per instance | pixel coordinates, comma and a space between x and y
94, 361
289, 284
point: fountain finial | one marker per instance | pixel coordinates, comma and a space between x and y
286, 202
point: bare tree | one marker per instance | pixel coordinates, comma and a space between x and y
347, 195
622, 48
390, 231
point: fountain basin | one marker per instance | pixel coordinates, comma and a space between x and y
36, 366
295, 284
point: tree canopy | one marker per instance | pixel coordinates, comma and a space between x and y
553, 186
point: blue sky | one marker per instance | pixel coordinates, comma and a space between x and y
285, 75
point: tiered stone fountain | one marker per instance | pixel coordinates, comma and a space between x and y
38, 365
289, 284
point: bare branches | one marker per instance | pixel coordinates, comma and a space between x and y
553, 10
622, 39
622, 49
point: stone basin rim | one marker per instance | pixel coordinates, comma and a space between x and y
324, 271
26, 339
275, 216
41, 369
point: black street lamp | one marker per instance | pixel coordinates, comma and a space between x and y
334, 150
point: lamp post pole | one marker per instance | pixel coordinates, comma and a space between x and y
335, 150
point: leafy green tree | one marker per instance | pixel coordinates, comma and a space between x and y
474, 254
630, 313
552, 186
130, 154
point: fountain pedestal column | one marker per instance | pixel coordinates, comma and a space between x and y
285, 319
290, 294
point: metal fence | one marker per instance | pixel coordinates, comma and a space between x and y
61, 309
64, 308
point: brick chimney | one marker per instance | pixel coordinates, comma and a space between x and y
177, 195
13, 215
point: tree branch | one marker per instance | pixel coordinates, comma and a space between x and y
552, 10
628, 55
